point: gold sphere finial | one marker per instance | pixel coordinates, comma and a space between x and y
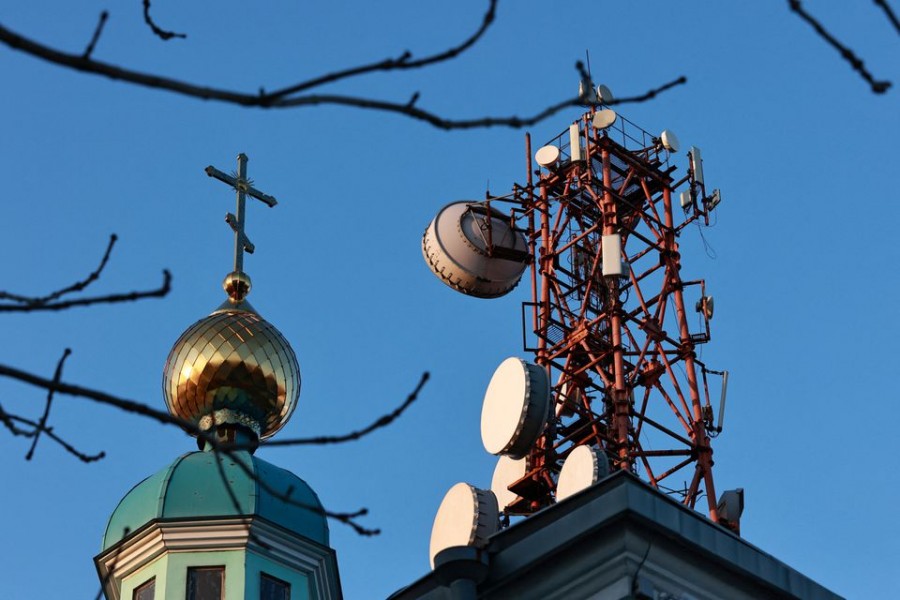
232, 369
237, 285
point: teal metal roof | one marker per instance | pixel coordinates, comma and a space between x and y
193, 487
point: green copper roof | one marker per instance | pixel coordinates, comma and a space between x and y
193, 487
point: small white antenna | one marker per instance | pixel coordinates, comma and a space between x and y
547, 156
705, 306
612, 254
722, 401
731, 504
574, 142
604, 118
605, 95
696, 164
586, 93
669, 141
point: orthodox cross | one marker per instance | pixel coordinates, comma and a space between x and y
242, 185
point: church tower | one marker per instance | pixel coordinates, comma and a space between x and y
221, 523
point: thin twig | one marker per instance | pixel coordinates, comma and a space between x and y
404, 61
649, 95
161, 33
159, 292
878, 87
75, 287
42, 424
892, 17
233, 497
379, 423
97, 31
8, 420
287, 497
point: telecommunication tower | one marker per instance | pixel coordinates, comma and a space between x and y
614, 328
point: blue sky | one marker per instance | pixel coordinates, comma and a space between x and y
804, 272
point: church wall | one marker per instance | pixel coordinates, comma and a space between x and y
156, 569
301, 586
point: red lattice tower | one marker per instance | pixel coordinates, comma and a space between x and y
610, 315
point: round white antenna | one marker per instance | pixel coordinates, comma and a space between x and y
586, 93
570, 398
508, 471
706, 307
584, 467
467, 516
473, 251
604, 94
547, 156
669, 141
516, 407
604, 118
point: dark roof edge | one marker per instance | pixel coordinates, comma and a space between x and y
625, 496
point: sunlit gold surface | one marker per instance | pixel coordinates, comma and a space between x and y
233, 362
237, 285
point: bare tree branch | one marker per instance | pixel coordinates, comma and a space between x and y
159, 292
404, 61
9, 421
75, 287
164, 417
42, 424
410, 110
55, 385
161, 33
21, 303
382, 421
97, 396
878, 87
649, 95
280, 100
94, 38
892, 17
168, 419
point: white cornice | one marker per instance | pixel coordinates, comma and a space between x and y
203, 535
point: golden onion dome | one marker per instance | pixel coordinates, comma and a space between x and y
232, 368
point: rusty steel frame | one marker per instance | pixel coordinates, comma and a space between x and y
602, 338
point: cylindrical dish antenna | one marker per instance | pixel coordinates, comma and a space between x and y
516, 407
508, 471
474, 250
467, 516
584, 467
